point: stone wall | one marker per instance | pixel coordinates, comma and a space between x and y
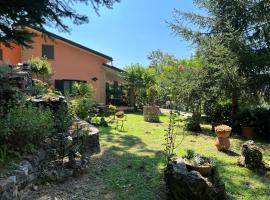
46, 165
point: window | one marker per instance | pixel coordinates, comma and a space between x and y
65, 86
1, 54
48, 51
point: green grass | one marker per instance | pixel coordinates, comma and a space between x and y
133, 161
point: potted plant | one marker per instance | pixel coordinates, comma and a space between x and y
151, 112
247, 123
194, 161
111, 109
223, 131
120, 114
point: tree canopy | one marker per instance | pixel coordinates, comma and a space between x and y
233, 37
15, 15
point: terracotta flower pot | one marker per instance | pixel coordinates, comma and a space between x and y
223, 131
222, 143
248, 132
224, 134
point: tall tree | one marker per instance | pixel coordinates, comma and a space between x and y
138, 79
234, 38
15, 15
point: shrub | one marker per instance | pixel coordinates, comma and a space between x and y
193, 123
39, 88
63, 118
83, 90
4, 69
40, 66
112, 108
83, 100
218, 111
262, 122
81, 107
27, 125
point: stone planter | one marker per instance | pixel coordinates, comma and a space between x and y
185, 184
204, 170
151, 113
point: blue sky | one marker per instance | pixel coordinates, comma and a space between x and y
131, 30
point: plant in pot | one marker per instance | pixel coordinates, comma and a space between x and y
198, 162
111, 109
151, 112
247, 123
120, 114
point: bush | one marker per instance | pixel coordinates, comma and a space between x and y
63, 118
244, 118
262, 122
83, 90
83, 100
112, 108
193, 123
26, 125
81, 107
218, 111
258, 118
40, 66
39, 88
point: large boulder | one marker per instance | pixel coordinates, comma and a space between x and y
251, 156
185, 185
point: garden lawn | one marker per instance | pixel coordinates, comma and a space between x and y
132, 161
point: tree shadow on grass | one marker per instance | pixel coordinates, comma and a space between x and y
230, 153
242, 183
132, 170
127, 169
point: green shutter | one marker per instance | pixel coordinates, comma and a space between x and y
48, 51
59, 85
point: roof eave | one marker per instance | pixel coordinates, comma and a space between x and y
73, 43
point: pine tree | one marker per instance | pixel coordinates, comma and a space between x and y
16, 15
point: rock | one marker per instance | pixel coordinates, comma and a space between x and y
185, 185
26, 167
77, 155
251, 156
35, 187
75, 163
7, 183
41, 155
8, 188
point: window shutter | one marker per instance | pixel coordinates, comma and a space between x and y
59, 85
1, 54
48, 51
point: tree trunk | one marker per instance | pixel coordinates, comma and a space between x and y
234, 104
132, 97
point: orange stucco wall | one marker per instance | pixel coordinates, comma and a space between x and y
71, 63
11, 55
